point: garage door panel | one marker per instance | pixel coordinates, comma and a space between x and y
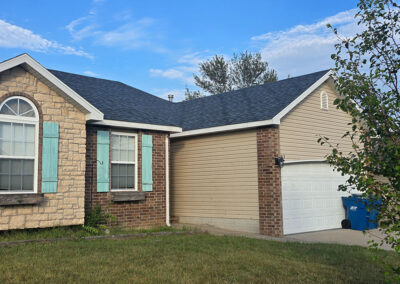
311, 223
310, 197
310, 211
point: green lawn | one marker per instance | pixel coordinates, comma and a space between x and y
69, 232
197, 258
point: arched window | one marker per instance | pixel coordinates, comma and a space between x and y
19, 133
324, 100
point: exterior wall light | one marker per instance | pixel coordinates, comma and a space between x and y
280, 161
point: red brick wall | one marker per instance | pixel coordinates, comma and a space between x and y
147, 213
269, 182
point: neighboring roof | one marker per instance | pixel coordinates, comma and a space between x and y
34, 67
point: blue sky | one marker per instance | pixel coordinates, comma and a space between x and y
156, 45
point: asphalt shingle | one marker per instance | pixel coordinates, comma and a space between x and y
119, 101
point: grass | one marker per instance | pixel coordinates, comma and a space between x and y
75, 232
200, 258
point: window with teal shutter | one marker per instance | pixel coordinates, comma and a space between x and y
50, 157
147, 162
103, 150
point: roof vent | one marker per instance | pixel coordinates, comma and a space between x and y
324, 100
171, 98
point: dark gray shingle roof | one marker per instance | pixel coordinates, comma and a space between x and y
119, 101
122, 102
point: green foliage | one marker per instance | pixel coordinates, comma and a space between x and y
190, 95
214, 75
367, 70
219, 75
96, 220
248, 69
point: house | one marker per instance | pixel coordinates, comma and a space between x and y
225, 164
69, 142
245, 160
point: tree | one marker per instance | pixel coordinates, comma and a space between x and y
189, 95
367, 77
214, 75
219, 75
248, 69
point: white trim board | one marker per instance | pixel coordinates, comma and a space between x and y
92, 113
305, 161
135, 125
225, 128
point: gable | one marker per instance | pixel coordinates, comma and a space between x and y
304, 124
29, 64
52, 104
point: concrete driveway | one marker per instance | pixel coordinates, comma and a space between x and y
336, 236
340, 236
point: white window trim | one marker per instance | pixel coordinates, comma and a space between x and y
126, 162
324, 94
25, 120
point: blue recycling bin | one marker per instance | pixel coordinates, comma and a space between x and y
361, 213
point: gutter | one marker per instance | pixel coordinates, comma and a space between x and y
136, 125
225, 128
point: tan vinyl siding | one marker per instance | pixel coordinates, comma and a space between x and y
215, 177
301, 128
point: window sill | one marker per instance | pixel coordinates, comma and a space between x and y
21, 199
128, 196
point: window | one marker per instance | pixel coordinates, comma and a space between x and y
123, 161
324, 101
18, 146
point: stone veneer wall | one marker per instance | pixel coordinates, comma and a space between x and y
147, 213
269, 182
66, 207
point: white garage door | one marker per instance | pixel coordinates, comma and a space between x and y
310, 199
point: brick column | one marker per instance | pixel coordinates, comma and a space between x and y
269, 182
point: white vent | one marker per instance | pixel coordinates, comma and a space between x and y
324, 101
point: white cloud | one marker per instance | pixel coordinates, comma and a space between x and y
193, 59
184, 72
90, 73
305, 48
174, 73
78, 31
130, 34
169, 73
12, 36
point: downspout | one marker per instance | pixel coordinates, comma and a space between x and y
167, 221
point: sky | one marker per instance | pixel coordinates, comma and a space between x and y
156, 46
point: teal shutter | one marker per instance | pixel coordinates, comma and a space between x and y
103, 149
50, 157
147, 162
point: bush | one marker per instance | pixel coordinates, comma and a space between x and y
97, 219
